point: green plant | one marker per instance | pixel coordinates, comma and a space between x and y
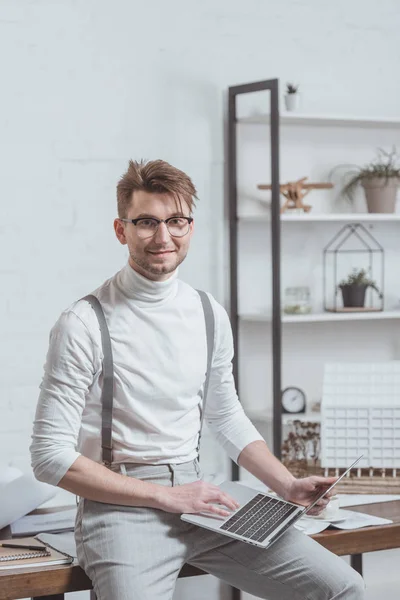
291, 88
359, 278
386, 166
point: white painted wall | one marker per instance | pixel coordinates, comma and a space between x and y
87, 85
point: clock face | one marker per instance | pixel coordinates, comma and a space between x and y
293, 400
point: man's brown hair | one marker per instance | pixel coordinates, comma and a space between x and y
155, 176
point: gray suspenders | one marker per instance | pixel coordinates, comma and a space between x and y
107, 394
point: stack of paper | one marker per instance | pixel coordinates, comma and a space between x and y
62, 520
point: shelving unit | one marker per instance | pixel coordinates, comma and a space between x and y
255, 214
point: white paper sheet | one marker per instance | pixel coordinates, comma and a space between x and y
63, 542
8, 474
311, 526
354, 520
360, 499
62, 498
20, 496
62, 520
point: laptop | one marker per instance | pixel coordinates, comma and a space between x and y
261, 518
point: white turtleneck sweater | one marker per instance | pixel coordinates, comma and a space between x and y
159, 347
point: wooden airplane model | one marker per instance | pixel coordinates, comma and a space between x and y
294, 192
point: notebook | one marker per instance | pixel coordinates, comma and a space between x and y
261, 518
17, 558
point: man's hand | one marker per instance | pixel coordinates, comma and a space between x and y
195, 497
304, 491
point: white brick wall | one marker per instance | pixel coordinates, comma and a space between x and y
87, 85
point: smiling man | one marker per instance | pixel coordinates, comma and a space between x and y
155, 252
132, 488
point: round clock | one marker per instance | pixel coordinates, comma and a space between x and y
293, 400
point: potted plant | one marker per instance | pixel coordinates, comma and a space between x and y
291, 97
380, 180
354, 288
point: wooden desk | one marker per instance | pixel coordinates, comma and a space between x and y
53, 582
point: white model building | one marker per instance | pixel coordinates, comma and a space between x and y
360, 414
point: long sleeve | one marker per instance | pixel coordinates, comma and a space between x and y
224, 413
69, 372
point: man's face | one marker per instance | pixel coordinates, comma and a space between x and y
158, 256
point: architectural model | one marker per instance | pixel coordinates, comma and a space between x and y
360, 414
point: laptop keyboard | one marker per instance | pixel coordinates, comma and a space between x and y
257, 519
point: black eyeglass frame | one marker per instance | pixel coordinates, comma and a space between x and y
158, 221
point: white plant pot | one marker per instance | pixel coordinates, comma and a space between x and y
291, 101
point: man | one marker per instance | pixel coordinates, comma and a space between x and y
130, 538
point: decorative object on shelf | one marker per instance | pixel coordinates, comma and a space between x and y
295, 191
354, 288
316, 407
301, 448
291, 97
360, 414
293, 400
353, 243
297, 301
380, 180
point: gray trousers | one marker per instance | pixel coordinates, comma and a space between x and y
135, 553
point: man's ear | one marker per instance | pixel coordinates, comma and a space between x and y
120, 231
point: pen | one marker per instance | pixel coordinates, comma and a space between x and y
23, 546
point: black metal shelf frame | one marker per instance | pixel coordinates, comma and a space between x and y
270, 85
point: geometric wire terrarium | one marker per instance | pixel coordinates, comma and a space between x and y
352, 260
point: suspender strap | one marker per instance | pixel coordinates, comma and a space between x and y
210, 331
107, 393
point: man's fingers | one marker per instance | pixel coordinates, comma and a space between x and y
314, 513
325, 480
216, 510
322, 502
229, 502
216, 495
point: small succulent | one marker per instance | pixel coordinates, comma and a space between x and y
291, 88
386, 166
359, 277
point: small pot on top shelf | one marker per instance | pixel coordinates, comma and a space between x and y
354, 289
291, 97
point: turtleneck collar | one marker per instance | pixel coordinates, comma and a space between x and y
144, 290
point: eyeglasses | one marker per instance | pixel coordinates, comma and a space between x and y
146, 227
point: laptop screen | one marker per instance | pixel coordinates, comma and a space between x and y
310, 506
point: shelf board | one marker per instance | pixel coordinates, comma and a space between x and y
354, 309
324, 317
293, 118
325, 217
267, 416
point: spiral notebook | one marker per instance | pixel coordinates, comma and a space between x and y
18, 558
